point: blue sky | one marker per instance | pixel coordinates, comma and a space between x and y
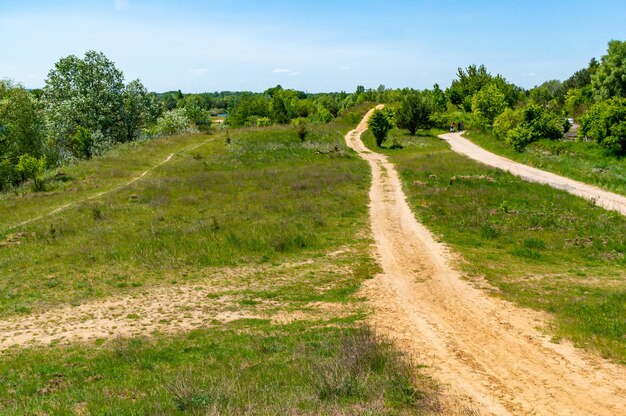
314, 46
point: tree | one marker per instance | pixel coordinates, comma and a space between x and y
414, 111
609, 80
21, 124
90, 93
380, 124
605, 122
137, 110
487, 104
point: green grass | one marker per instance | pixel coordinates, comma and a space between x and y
540, 247
75, 182
583, 161
247, 367
253, 220
264, 198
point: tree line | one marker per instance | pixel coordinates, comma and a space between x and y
86, 108
595, 96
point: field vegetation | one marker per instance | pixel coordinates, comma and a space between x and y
274, 228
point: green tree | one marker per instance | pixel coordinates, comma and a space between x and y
414, 111
21, 124
90, 93
487, 104
605, 122
609, 80
138, 110
380, 124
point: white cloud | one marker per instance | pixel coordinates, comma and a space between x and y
344, 68
121, 5
199, 71
281, 71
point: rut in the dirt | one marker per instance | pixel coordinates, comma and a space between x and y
486, 352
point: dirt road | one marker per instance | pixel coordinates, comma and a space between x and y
599, 196
487, 353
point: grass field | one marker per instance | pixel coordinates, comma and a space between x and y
583, 161
275, 230
537, 246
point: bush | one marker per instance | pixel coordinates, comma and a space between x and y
173, 122
519, 138
301, 127
605, 122
506, 121
32, 168
81, 143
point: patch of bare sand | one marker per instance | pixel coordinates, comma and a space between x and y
172, 309
487, 352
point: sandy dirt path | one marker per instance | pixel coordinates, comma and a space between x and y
599, 196
487, 353
102, 193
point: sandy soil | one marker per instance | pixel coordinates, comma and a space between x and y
599, 196
487, 353
171, 310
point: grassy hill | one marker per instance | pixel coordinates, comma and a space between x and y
271, 237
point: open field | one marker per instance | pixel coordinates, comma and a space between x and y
222, 282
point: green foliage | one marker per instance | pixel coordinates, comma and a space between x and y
414, 111
301, 126
380, 123
549, 93
529, 124
200, 117
506, 121
90, 93
519, 138
605, 122
81, 143
31, 168
609, 80
173, 122
487, 104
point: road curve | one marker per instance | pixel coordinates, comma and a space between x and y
605, 199
486, 353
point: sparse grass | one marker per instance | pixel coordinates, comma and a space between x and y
537, 246
263, 198
247, 367
583, 161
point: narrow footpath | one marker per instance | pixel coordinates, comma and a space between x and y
600, 197
487, 353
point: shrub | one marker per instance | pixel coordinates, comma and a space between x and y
32, 168
173, 122
301, 127
81, 143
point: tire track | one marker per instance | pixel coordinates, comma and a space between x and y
487, 352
